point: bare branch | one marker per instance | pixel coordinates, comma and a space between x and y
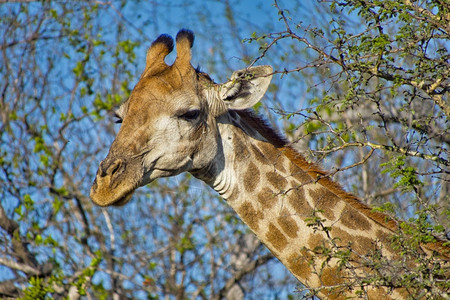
247, 269
20, 267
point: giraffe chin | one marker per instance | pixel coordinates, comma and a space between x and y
104, 196
124, 200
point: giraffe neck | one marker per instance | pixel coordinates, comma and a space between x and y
277, 198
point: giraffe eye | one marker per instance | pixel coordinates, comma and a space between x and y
191, 115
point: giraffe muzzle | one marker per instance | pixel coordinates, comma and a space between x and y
111, 185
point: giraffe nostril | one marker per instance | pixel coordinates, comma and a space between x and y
111, 168
115, 166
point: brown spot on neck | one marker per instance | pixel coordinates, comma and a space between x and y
380, 293
332, 277
288, 224
276, 180
315, 240
267, 198
325, 201
240, 148
250, 215
300, 264
276, 238
354, 219
251, 177
360, 244
297, 199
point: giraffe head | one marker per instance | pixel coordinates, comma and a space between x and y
169, 122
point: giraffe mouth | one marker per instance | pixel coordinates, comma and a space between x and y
103, 194
123, 200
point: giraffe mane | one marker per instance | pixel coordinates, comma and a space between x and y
281, 143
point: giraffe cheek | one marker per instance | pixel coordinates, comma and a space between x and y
205, 156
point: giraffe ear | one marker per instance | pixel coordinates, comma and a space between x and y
246, 87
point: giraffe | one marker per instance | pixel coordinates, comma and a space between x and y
177, 119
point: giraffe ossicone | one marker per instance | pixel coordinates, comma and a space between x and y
179, 120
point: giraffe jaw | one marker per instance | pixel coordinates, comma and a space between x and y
106, 197
124, 200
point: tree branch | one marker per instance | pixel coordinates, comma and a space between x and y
248, 268
20, 249
20, 267
397, 149
8, 289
